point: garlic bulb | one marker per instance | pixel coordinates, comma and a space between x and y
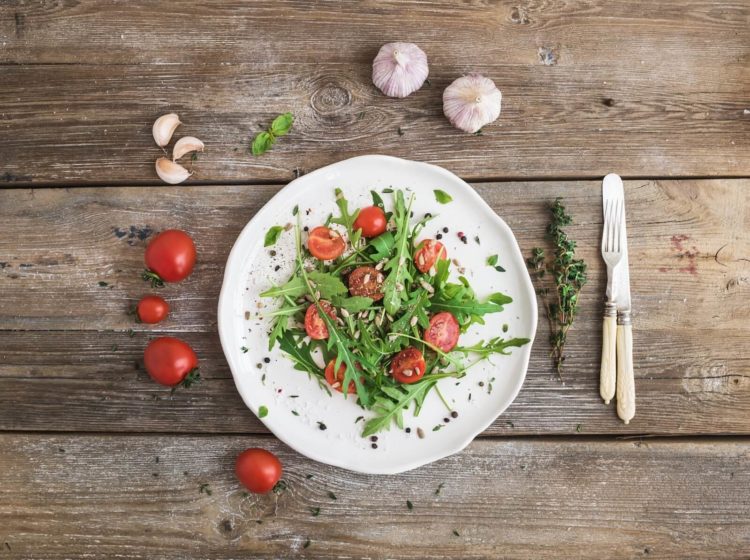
399, 69
185, 145
164, 127
171, 172
471, 102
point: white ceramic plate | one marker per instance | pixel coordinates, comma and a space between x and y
478, 398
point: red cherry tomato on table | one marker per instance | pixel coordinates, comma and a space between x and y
443, 331
371, 221
325, 244
152, 309
258, 470
337, 381
315, 326
408, 365
171, 255
169, 360
427, 254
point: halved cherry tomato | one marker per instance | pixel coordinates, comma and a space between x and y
371, 220
325, 244
337, 381
152, 309
366, 281
427, 254
443, 331
170, 256
408, 365
169, 360
315, 326
258, 470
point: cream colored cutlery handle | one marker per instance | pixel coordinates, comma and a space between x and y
608, 371
625, 380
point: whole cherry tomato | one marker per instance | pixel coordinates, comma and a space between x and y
170, 257
258, 470
169, 361
371, 221
152, 309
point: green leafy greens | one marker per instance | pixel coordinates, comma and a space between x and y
364, 334
264, 140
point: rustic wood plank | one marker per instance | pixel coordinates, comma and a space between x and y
73, 496
588, 88
66, 335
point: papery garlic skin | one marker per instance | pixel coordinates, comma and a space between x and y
472, 102
164, 127
399, 69
185, 145
171, 172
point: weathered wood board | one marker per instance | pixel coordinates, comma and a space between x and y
643, 89
140, 496
65, 334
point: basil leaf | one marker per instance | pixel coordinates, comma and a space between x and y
272, 236
377, 200
282, 124
262, 143
492, 260
262, 411
442, 197
383, 245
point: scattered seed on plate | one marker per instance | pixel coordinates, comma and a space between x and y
420, 433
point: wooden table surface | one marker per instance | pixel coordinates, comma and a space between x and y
97, 461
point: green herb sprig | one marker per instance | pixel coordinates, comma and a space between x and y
568, 276
280, 126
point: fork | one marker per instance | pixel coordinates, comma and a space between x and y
612, 255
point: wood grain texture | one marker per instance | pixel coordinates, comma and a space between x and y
75, 496
67, 335
589, 87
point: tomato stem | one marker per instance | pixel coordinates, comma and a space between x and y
155, 280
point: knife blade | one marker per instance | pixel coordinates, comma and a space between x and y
625, 390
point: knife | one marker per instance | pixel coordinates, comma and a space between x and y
612, 189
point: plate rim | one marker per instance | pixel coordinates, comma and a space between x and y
224, 304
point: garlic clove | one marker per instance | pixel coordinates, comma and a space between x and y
185, 145
171, 172
399, 69
164, 127
472, 102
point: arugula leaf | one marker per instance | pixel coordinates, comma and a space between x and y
327, 284
377, 200
272, 236
353, 304
390, 410
442, 197
393, 287
282, 124
383, 245
293, 289
346, 219
496, 345
299, 353
460, 300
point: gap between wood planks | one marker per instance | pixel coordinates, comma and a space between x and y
272, 182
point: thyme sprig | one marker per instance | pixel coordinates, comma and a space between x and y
568, 276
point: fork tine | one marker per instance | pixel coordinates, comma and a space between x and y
612, 222
607, 225
620, 224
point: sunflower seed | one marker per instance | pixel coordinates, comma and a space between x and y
407, 372
380, 265
336, 385
413, 321
399, 287
420, 259
317, 295
309, 298
366, 279
356, 335
420, 433
344, 313
432, 271
381, 278
428, 288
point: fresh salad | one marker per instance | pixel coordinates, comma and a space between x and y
373, 296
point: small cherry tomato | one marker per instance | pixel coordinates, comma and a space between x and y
337, 381
371, 221
366, 281
170, 256
427, 254
170, 360
443, 331
408, 365
152, 309
258, 470
315, 326
325, 244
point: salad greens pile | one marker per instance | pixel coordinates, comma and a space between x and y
365, 335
